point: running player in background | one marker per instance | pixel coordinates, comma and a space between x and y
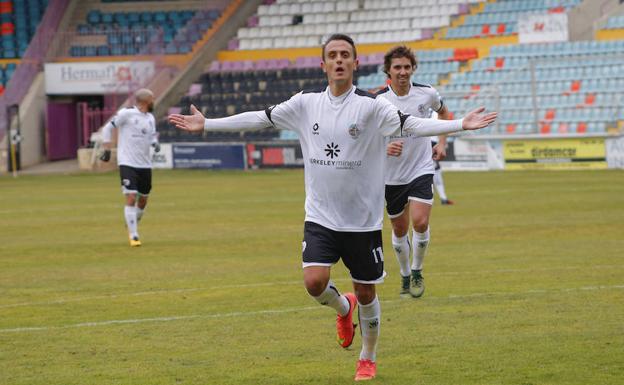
136, 132
341, 130
438, 181
409, 177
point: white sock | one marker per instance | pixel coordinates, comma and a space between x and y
332, 298
401, 248
131, 220
370, 317
438, 182
139, 213
420, 242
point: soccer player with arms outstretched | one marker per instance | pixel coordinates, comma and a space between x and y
341, 130
136, 132
409, 177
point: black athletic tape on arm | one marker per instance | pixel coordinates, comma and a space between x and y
441, 106
403, 117
268, 111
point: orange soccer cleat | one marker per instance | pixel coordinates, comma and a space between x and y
366, 370
344, 324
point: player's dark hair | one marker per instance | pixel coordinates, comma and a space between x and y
339, 36
398, 52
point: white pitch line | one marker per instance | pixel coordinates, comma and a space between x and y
287, 310
283, 283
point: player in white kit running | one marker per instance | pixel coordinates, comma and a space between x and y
341, 130
409, 177
136, 133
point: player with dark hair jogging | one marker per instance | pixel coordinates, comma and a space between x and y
341, 130
409, 177
136, 133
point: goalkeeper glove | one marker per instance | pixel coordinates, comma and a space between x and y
106, 155
156, 146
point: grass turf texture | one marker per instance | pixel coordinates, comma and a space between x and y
525, 284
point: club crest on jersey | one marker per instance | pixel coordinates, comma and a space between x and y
315, 129
422, 110
354, 131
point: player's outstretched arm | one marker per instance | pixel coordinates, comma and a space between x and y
476, 119
250, 120
193, 122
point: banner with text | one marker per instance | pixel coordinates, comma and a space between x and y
555, 154
274, 155
96, 78
163, 158
465, 155
209, 155
541, 28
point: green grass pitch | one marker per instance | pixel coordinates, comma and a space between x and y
525, 284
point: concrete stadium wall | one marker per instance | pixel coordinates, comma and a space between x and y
32, 117
589, 16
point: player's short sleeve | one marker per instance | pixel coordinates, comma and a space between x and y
389, 118
286, 115
119, 118
436, 100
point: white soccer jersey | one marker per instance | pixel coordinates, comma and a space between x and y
136, 133
343, 148
416, 158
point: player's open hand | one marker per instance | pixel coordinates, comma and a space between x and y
475, 119
394, 148
193, 122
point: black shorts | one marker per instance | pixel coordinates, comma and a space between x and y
135, 180
361, 252
397, 196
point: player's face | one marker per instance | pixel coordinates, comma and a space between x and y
149, 104
339, 62
401, 71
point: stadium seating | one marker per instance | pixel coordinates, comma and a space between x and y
579, 86
293, 23
156, 32
500, 18
615, 22
18, 22
554, 88
234, 87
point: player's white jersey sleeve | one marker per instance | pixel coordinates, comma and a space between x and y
286, 115
394, 122
282, 116
436, 102
250, 120
115, 122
